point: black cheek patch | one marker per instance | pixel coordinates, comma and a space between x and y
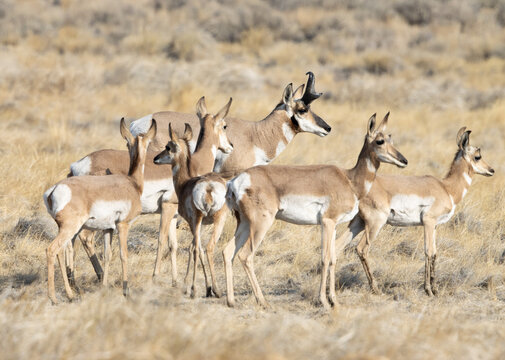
295, 122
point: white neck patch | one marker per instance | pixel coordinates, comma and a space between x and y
467, 178
370, 166
288, 132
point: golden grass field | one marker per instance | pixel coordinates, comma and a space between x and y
70, 70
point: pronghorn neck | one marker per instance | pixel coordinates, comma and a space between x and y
274, 133
137, 166
181, 171
459, 178
202, 160
362, 175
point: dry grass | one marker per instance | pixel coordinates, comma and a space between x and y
72, 69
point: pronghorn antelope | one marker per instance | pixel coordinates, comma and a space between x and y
201, 198
415, 201
256, 143
304, 195
98, 203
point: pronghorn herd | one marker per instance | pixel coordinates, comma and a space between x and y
169, 169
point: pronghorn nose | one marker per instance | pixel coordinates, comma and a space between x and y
231, 144
327, 128
491, 171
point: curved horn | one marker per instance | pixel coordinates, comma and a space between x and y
310, 93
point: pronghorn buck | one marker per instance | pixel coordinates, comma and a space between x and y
256, 143
201, 198
415, 201
98, 203
304, 195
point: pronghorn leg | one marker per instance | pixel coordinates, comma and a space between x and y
65, 234
190, 258
219, 221
333, 262
172, 248
327, 229
197, 227
434, 287
123, 253
229, 252
246, 255
87, 238
356, 226
371, 232
61, 261
107, 254
202, 262
168, 211
429, 251
69, 255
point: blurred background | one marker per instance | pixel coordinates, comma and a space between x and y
69, 70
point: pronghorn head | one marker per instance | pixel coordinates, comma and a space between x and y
382, 145
137, 146
472, 154
214, 125
298, 108
177, 149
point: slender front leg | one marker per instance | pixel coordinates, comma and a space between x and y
123, 253
107, 254
430, 252
87, 238
219, 221
327, 229
229, 252
371, 232
69, 255
168, 211
197, 225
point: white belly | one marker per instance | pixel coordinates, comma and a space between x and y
105, 214
302, 209
153, 193
407, 210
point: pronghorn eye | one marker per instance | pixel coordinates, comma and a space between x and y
302, 111
478, 157
224, 127
380, 142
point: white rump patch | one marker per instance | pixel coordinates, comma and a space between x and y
467, 178
217, 193
142, 125
60, 196
237, 187
407, 210
104, 215
81, 167
302, 209
260, 157
153, 192
446, 217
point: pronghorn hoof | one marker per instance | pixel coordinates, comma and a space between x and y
230, 303
193, 293
209, 292
174, 283
429, 292
216, 293
375, 290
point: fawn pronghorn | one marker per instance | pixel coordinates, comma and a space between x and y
98, 203
201, 198
415, 201
305, 195
256, 143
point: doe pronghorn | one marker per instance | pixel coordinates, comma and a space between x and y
304, 195
201, 198
98, 203
255, 143
415, 201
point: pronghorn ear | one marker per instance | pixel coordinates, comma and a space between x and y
287, 96
224, 111
371, 125
188, 132
460, 133
151, 133
201, 108
464, 141
384, 123
173, 135
299, 92
125, 132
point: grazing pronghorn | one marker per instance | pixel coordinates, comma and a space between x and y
98, 203
415, 201
304, 195
201, 198
256, 143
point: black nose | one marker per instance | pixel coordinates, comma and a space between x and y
327, 128
491, 171
231, 144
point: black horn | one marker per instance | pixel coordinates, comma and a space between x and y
310, 93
